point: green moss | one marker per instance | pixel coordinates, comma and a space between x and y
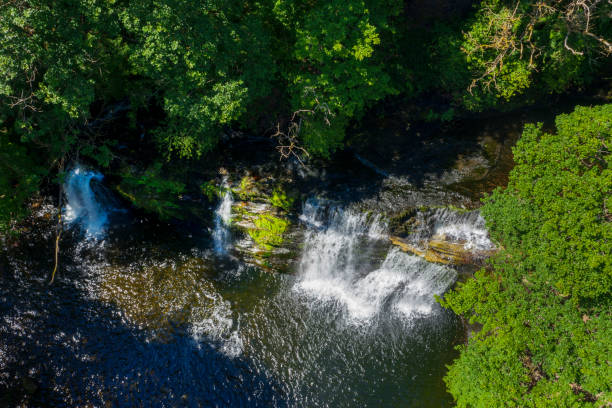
280, 199
459, 210
212, 190
152, 191
268, 231
246, 187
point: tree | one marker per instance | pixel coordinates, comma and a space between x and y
206, 62
54, 61
83, 79
512, 46
335, 66
545, 304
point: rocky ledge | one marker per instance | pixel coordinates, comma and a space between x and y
440, 249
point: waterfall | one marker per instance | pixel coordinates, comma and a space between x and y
339, 266
462, 227
82, 204
223, 217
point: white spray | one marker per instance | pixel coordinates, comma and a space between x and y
467, 228
223, 217
331, 269
82, 206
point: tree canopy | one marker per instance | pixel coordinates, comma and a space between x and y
545, 304
181, 73
87, 79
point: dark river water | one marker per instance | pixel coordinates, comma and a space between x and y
168, 322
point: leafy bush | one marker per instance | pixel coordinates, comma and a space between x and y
151, 191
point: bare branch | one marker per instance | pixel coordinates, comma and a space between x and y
288, 140
579, 17
570, 48
606, 44
288, 143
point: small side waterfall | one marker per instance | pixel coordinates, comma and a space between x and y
223, 217
82, 204
339, 266
467, 228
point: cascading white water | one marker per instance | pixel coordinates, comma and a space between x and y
422, 280
82, 205
223, 217
467, 228
336, 267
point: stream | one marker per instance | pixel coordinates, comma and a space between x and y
143, 313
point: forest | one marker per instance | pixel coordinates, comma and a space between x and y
147, 91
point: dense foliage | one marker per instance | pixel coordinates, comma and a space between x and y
148, 87
172, 76
545, 304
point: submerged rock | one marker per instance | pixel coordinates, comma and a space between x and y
158, 295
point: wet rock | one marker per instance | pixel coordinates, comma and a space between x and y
440, 250
246, 213
261, 220
404, 223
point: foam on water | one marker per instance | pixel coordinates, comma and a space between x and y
216, 324
331, 270
467, 228
223, 217
82, 206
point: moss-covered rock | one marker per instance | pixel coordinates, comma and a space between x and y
268, 231
262, 223
212, 190
152, 190
280, 199
248, 188
260, 215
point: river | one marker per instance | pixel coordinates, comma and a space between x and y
144, 313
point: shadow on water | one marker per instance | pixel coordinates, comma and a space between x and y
61, 347
401, 164
116, 329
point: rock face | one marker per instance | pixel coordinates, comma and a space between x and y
261, 221
267, 232
439, 250
422, 181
